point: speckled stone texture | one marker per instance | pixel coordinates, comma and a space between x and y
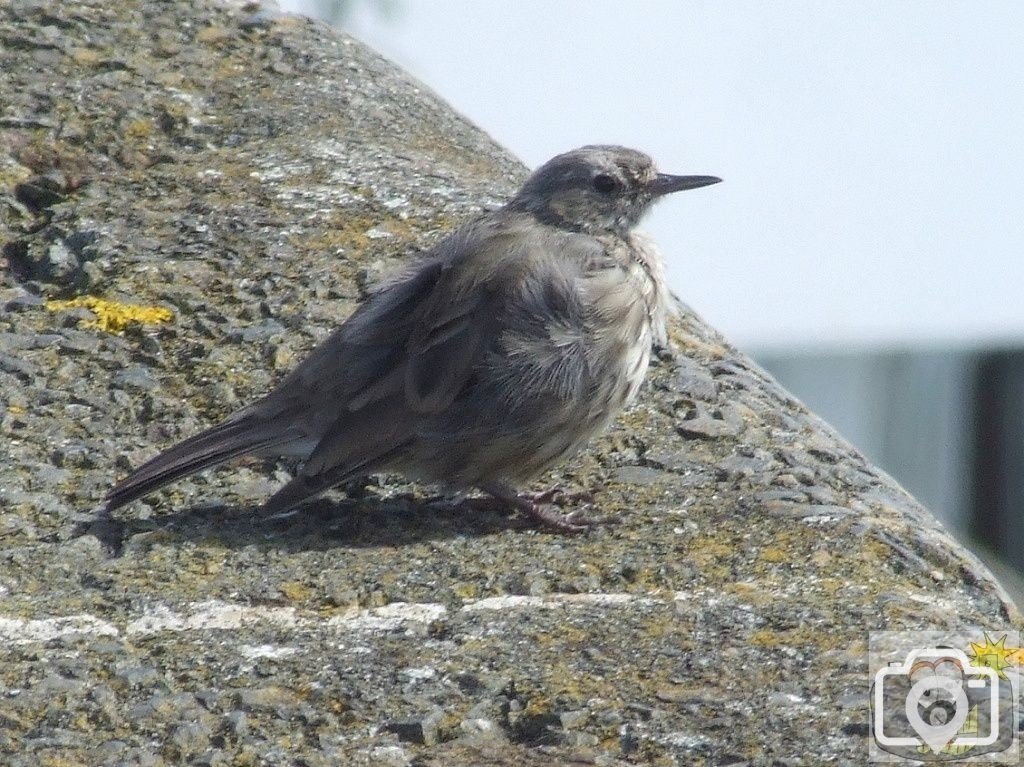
255, 174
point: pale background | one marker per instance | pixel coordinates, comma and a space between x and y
867, 245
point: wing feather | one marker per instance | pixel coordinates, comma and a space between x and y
499, 289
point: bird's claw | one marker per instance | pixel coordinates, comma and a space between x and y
574, 523
551, 495
538, 509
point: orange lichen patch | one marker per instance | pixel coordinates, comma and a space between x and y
113, 316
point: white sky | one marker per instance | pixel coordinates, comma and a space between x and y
873, 151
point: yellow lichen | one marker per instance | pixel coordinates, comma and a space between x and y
113, 316
139, 129
87, 57
295, 591
210, 35
775, 555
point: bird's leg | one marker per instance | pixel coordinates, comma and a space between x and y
557, 495
544, 496
534, 505
493, 502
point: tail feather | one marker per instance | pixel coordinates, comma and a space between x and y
209, 448
305, 487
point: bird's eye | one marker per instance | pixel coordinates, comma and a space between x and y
605, 184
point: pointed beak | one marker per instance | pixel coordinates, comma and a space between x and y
666, 184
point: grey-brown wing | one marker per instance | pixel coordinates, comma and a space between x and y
403, 352
396, 368
409, 351
359, 358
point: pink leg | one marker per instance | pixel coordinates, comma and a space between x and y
536, 507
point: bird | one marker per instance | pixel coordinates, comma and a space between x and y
500, 352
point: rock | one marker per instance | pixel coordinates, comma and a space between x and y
138, 676
18, 367
390, 756
40, 193
639, 475
422, 729
23, 302
237, 723
60, 264
482, 731
256, 174
748, 462
570, 720
190, 738
11, 342
694, 380
164, 708
137, 377
681, 461
258, 332
268, 699
58, 256
77, 340
703, 422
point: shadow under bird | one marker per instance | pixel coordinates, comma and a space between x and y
513, 342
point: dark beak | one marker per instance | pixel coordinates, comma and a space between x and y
666, 184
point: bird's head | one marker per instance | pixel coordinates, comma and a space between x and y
599, 189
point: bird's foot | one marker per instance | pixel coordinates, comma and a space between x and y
501, 503
558, 496
546, 516
537, 507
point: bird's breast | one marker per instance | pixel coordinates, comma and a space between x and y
628, 309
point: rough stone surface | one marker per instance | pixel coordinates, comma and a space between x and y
255, 174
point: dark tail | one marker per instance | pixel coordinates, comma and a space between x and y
233, 438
